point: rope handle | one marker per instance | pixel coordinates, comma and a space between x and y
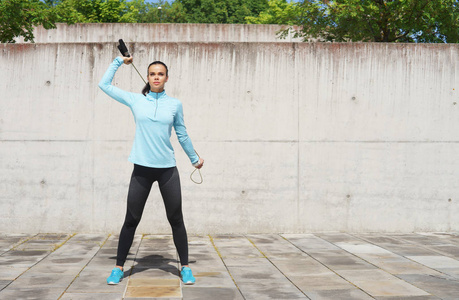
199, 171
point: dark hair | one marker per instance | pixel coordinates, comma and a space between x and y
146, 89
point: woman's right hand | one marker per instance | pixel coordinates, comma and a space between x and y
127, 60
199, 164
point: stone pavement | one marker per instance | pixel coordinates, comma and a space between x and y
268, 266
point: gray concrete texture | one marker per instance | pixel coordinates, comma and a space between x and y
234, 267
297, 137
162, 32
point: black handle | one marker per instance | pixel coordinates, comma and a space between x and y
123, 49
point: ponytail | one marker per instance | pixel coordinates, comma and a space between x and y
146, 89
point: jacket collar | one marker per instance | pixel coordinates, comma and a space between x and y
156, 95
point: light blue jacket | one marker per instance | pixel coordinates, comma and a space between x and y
154, 116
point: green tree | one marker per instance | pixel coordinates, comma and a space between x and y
220, 11
278, 12
159, 12
446, 19
96, 11
379, 20
18, 17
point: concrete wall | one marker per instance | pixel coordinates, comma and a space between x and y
163, 32
296, 137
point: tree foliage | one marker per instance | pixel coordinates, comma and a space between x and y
18, 17
95, 11
277, 12
220, 11
380, 20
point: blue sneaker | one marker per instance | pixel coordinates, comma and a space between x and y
187, 276
116, 276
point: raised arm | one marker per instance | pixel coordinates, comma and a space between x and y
105, 83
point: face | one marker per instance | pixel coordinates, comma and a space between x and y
157, 78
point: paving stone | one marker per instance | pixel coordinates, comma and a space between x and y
205, 258
361, 275
156, 258
157, 244
169, 272
236, 247
341, 260
275, 246
154, 292
364, 249
15, 237
328, 281
40, 245
270, 291
211, 293
264, 281
90, 237
112, 242
39, 280
213, 279
442, 287
300, 266
406, 267
381, 257
20, 262
52, 236
155, 298
61, 270
207, 266
307, 242
243, 262
136, 282
11, 273
341, 294
4, 283
415, 238
379, 239
380, 283
90, 296
409, 298
23, 254
436, 261
153, 288
389, 288
69, 261
453, 272
31, 293
409, 250
110, 252
90, 282
448, 250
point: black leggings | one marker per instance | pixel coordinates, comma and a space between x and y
169, 184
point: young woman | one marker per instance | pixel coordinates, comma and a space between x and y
155, 113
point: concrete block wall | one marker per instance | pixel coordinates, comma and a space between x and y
297, 137
161, 32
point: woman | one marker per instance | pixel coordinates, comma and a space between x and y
155, 114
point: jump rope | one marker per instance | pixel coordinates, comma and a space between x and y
125, 52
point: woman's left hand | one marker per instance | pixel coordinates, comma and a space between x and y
200, 163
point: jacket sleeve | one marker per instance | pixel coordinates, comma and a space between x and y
105, 84
182, 135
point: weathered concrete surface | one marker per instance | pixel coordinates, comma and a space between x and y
296, 137
234, 267
154, 32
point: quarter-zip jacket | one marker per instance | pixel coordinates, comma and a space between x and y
155, 114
